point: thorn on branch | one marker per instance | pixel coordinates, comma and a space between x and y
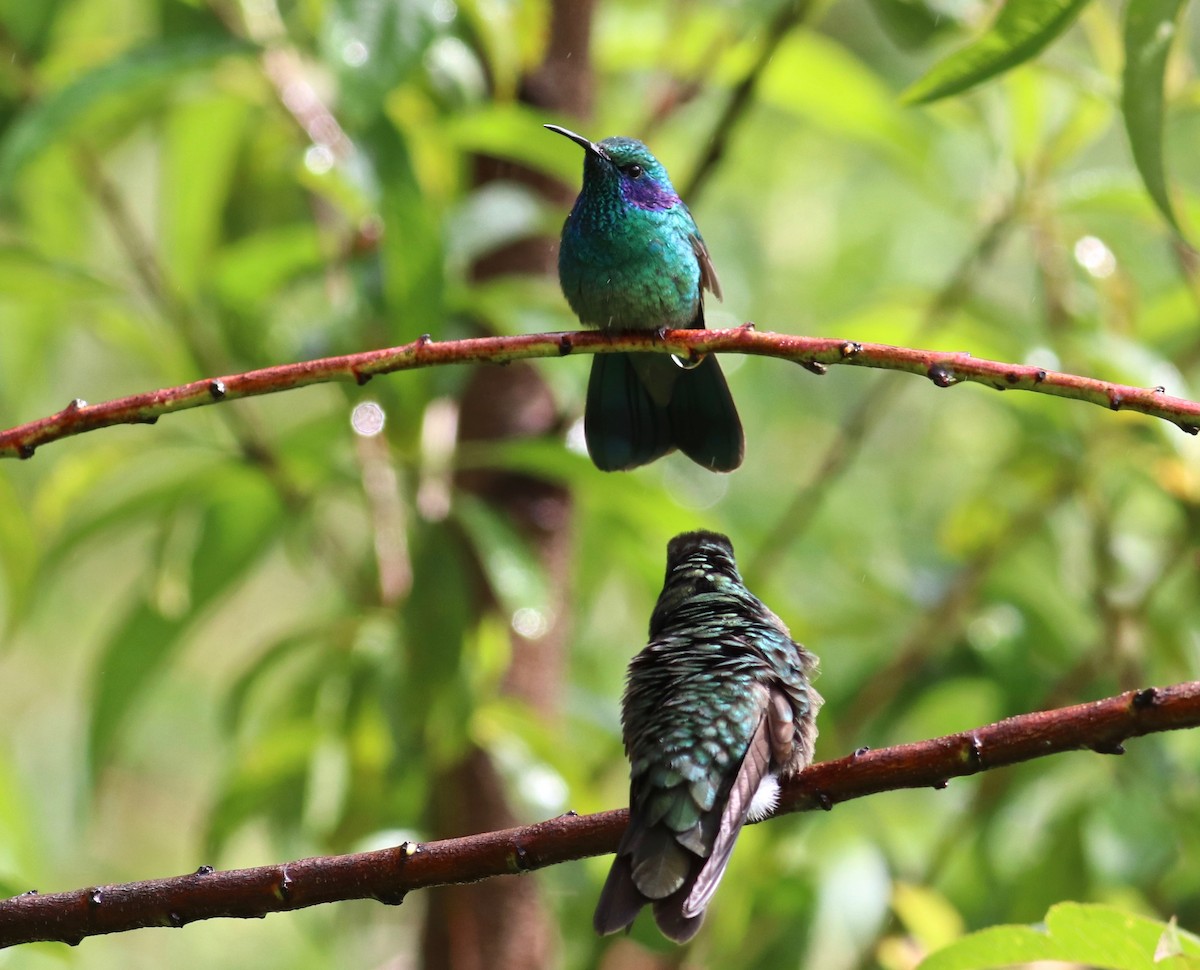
1189, 428
814, 367
940, 785
1108, 747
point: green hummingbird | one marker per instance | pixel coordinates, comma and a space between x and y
717, 708
631, 258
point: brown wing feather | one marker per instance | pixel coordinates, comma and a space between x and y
708, 274
754, 767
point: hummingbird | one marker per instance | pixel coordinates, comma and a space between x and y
717, 708
631, 258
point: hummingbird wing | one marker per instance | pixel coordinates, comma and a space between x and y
765, 746
708, 273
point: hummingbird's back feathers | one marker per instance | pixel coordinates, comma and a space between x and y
632, 258
717, 706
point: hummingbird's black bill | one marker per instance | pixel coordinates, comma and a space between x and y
584, 143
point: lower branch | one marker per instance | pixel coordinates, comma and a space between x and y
814, 353
388, 874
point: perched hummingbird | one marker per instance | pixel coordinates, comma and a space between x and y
632, 259
717, 707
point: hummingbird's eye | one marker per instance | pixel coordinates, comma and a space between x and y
634, 171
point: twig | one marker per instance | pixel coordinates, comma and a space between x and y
814, 353
789, 16
389, 874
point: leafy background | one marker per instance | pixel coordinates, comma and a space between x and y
248, 634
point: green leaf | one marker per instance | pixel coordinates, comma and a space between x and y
1098, 936
1150, 26
909, 23
57, 115
1023, 29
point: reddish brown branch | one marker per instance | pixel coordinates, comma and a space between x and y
814, 353
388, 874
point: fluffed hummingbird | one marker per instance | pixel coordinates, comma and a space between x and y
631, 258
717, 708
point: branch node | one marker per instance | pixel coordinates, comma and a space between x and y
940, 785
30, 892
851, 348
814, 367
975, 751
25, 451
519, 860
1013, 377
565, 345
1040, 376
75, 405
747, 326
283, 889
422, 340
1107, 747
1115, 400
1160, 389
95, 896
859, 752
174, 920
205, 871
217, 389
1189, 428
941, 375
824, 801
1147, 697
390, 897
361, 378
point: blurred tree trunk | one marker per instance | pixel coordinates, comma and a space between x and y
503, 923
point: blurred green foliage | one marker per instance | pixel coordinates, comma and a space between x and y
197, 663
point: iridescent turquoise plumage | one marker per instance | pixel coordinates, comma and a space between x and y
632, 258
718, 706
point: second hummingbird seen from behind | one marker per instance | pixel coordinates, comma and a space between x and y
632, 259
717, 708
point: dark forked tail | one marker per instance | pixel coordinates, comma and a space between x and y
643, 406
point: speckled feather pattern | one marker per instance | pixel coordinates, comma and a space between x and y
698, 697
